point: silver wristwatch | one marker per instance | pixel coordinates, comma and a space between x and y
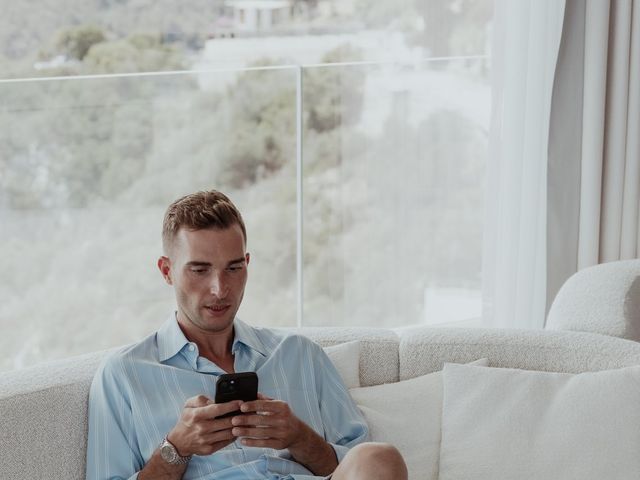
170, 455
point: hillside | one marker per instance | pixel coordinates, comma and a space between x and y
30, 27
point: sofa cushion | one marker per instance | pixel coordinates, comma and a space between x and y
346, 358
379, 361
43, 419
407, 414
601, 299
501, 424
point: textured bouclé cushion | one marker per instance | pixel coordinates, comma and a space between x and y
602, 299
505, 424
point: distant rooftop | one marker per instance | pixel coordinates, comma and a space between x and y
259, 4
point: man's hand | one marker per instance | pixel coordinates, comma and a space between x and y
199, 432
269, 423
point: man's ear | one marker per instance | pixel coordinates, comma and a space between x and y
247, 257
164, 264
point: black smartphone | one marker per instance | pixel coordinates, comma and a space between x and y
236, 386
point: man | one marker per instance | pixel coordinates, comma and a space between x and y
151, 413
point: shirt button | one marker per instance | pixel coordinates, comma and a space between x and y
192, 347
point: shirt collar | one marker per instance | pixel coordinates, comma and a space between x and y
248, 336
171, 339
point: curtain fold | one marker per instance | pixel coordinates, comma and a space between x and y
525, 46
630, 246
593, 99
594, 140
616, 132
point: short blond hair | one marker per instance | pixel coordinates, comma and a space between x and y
199, 211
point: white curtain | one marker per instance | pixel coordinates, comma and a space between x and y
594, 142
525, 48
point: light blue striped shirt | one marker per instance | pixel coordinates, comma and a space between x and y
138, 393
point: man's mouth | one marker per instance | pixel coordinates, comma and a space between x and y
217, 309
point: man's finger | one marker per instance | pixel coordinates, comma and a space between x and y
213, 410
262, 433
262, 396
255, 420
220, 436
267, 406
197, 401
219, 424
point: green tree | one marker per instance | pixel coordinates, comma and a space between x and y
261, 117
71, 142
75, 42
333, 93
137, 53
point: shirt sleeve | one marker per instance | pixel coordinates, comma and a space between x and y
112, 452
344, 424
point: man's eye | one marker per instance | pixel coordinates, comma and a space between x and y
199, 270
235, 268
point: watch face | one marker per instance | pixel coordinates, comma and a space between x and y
168, 453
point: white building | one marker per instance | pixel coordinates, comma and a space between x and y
254, 16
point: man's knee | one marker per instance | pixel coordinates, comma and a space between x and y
378, 460
377, 451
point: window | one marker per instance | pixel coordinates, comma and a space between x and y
352, 139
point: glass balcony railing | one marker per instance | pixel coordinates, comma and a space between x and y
393, 197
361, 186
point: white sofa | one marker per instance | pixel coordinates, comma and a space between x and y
43, 409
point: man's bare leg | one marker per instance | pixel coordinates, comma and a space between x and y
371, 461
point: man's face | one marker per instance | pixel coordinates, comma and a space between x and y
208, 271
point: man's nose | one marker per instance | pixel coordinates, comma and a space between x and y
218, 285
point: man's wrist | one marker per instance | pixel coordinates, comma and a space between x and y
302, 437
175, 440
170, 453
314, 452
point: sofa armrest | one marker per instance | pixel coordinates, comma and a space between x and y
601, 299
43, 419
